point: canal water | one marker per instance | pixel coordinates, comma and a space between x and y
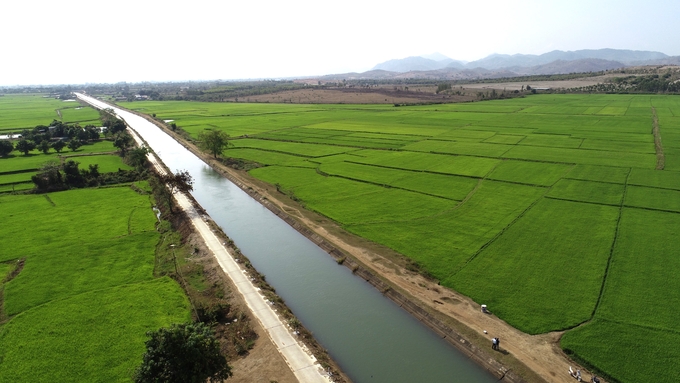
370, 337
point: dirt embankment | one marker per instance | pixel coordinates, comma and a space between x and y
522, 358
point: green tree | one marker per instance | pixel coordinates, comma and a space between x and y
178, 182
59, 145
74, 144
72, 175
44, 146
123, 141
25, 146
49, 178
171, 183
213, 141
136, 157
6, 148
183, 353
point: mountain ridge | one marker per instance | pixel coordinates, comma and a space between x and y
497, 61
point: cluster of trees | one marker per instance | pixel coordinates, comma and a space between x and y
57, 136
55, 176
668, 82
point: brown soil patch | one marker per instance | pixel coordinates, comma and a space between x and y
517, 85
262, 363
537, 358
357, 95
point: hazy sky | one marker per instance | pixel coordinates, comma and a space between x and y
74, 41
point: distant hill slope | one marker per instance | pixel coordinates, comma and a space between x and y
574, 66
496, 61
501, 61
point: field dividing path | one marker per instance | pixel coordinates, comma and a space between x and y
296, 355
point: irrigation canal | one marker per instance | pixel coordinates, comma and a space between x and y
370, 337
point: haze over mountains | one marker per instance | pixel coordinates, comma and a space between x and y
437, 65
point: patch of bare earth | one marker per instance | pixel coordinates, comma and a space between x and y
263, 362
519, 85
356, 95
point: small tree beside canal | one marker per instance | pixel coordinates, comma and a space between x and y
213, 141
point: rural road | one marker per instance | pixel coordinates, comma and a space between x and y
298, 358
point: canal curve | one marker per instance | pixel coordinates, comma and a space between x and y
369, 336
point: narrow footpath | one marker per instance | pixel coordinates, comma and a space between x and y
296, 355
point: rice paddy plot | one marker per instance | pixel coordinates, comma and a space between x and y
13, 178
466, 135
462, 148
655, 178
443, 243
87, 290
626, 353
15, 187
504, 139
93, 337
588, 191
552, 140
551, 261
653, 198
349, 202
579, 156
599, 173
293, 148
642, 274
19, 112
644, 271
532, 173
438, 163
266, 157
446, 186
107, 162
619, 146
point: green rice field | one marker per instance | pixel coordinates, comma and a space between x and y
19, 111
86, 291
547, 208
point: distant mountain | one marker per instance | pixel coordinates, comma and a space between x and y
410, 63
497, 61
436, 61
499, 66
436, 56
574, 66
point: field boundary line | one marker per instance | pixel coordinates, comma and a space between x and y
660, 158
499, 234
49, 200
611, 251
